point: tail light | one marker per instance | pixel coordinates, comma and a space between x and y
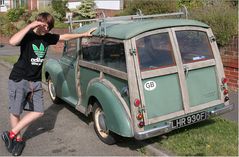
225, 92
141, 124
137, 102
224, 80
140, 116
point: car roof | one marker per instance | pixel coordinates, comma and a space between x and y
131, 28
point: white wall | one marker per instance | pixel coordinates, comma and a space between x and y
73, 5
108, 4
5, 6
100, 4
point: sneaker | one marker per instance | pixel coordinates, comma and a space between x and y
9, 143
18, 148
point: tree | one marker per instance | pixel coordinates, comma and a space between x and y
60, 7
87, 9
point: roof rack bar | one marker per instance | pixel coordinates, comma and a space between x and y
158, 15
139, 15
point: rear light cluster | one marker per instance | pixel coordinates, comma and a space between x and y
139, 115
224, 88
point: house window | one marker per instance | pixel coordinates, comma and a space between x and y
1, 2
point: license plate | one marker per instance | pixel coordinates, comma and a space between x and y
184, 121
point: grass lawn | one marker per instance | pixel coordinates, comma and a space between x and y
213, 137
9, 59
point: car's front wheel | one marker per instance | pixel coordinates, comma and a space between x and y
52, 91
100, 126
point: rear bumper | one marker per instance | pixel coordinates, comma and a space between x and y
168, 128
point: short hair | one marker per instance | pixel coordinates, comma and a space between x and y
47, 18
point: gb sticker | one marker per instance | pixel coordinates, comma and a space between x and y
150, 85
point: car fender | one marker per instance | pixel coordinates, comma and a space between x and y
118, 118
53, 68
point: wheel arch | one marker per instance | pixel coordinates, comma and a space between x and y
118, 120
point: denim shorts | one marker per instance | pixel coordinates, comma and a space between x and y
25, 95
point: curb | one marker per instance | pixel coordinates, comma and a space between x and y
149, 147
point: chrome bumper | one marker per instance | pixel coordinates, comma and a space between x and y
223, 110
167, 128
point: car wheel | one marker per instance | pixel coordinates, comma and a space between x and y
100, 126
52, 91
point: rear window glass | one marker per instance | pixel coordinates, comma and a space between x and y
194, 46
155, 51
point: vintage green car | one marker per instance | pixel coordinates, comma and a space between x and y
141, 77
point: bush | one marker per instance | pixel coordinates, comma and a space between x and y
59, 6
220, 17
14, 14
149, 6
6, 27
86, 10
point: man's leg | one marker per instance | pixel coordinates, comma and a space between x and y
26, 120
14, 120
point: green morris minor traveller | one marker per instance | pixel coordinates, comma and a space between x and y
140, 76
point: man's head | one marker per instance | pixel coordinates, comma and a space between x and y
47, 18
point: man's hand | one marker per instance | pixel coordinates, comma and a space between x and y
35, 24
89, 33
78, 35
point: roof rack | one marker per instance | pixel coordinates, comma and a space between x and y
139, 16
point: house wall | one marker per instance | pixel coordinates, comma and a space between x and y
4, 7
100, 4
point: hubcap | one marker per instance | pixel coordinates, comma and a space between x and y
51, 89
100, 123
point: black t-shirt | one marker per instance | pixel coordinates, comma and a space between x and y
33, 51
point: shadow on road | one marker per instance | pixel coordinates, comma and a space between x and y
45, 123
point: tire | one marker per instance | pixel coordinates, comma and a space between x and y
52, 91
104, 134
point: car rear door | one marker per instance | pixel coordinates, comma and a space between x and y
175, 80
202, 66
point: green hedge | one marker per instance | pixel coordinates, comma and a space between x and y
221, 17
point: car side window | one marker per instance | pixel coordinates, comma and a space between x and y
91, 49
114, 55
70, 49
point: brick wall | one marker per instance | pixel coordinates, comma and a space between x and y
229, 55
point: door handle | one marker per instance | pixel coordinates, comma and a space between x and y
71, 65
186, 68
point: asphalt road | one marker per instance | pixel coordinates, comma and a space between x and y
62, 131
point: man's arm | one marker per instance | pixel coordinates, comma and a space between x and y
73, 36
17, 38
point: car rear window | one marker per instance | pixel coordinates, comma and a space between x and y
155, 51
194, 46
